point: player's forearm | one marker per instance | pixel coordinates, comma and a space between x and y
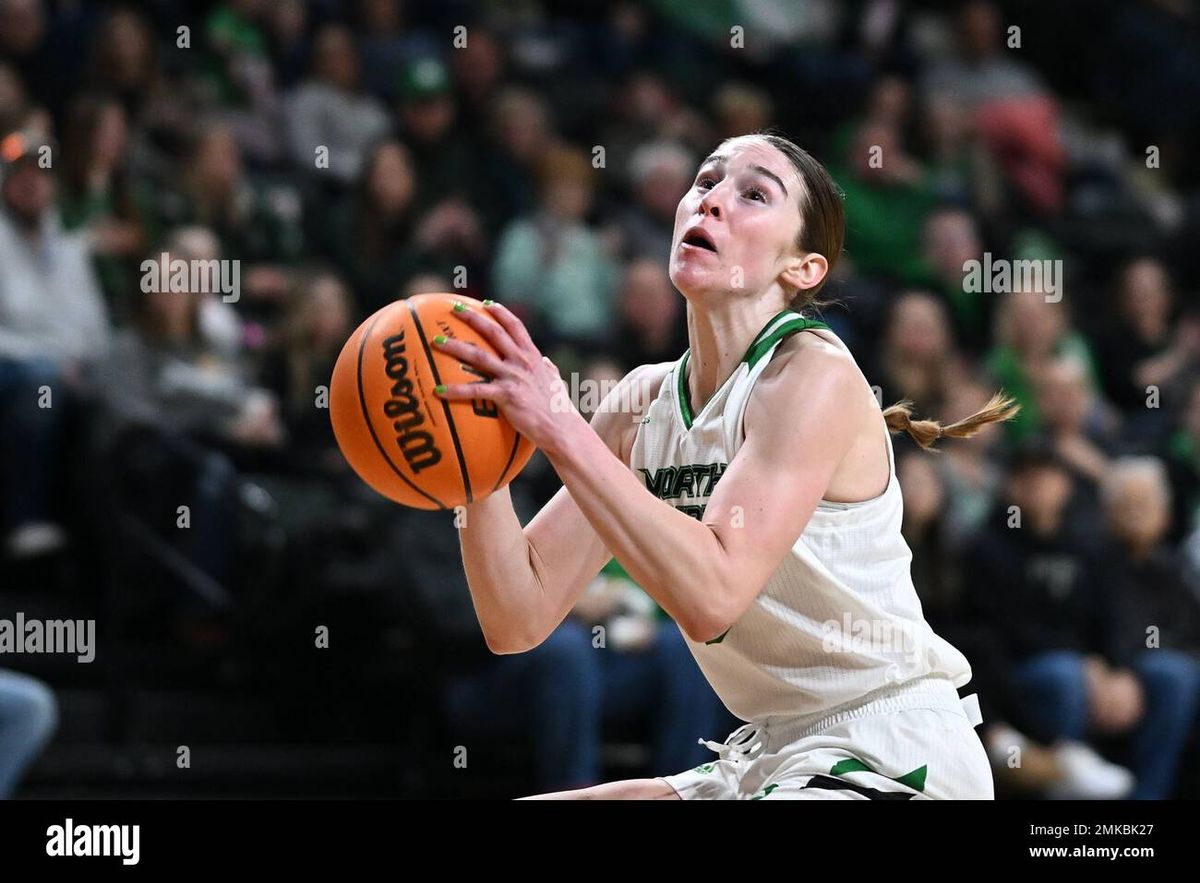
675, 558
504, 585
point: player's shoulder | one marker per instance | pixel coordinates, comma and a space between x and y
810, 357
648, 377
639, 388
807, 371
617, 418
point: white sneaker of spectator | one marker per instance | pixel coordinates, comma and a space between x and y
35, 538
1088, 776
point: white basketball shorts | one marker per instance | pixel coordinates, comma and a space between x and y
912, 742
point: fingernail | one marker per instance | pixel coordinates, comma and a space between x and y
440, 388
459, 306
440, 339
489, 302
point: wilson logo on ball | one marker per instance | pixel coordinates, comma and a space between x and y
417, 446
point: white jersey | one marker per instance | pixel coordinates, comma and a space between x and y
840, 618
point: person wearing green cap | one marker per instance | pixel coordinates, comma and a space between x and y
447, 168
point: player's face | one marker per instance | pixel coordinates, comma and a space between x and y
736, 227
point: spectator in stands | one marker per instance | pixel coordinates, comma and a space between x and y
949, 240
962, 171
53, 326
124, 62
943, 562
239, 70
170, 370
888, 191
99, 195
644, 110
521, 131
254, 226
659, 173
1147, 351
478, 69
331, 125
1182, 455
968, 468
1161, 622
933, 569
372, 234
1014, 113
651, 316
25, 28
237, 46
441, 155
388, 44
917, 358
180, 409
1030, 331
299, 365
1082, 428
1057, 631
551, 263
287, 26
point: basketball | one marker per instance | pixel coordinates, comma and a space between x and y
396, 433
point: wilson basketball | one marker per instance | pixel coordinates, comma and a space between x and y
401, 439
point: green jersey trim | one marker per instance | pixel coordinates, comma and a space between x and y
771, 334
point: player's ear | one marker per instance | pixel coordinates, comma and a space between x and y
804, 271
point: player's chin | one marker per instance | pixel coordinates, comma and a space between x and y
690, 276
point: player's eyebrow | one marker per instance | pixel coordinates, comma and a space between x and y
720, 160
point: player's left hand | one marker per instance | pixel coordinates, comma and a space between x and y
521, 381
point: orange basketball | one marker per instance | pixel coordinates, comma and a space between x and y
401, 439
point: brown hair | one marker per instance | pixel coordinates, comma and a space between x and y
1000, 407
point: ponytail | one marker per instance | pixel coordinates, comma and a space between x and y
1000, 407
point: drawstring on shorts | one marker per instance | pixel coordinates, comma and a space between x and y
744, 743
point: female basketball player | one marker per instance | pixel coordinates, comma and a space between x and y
750, 488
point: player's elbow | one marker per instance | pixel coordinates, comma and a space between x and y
507, 646
712, 612
707, 624
508, 641
704, 635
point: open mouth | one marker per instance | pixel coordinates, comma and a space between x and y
697, 238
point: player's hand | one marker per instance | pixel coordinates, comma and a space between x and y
520, 380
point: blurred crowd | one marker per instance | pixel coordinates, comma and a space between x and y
345, 154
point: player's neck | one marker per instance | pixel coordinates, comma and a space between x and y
718, 338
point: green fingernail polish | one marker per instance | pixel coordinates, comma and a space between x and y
440, 388
489, 302
459, 306
440, 339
